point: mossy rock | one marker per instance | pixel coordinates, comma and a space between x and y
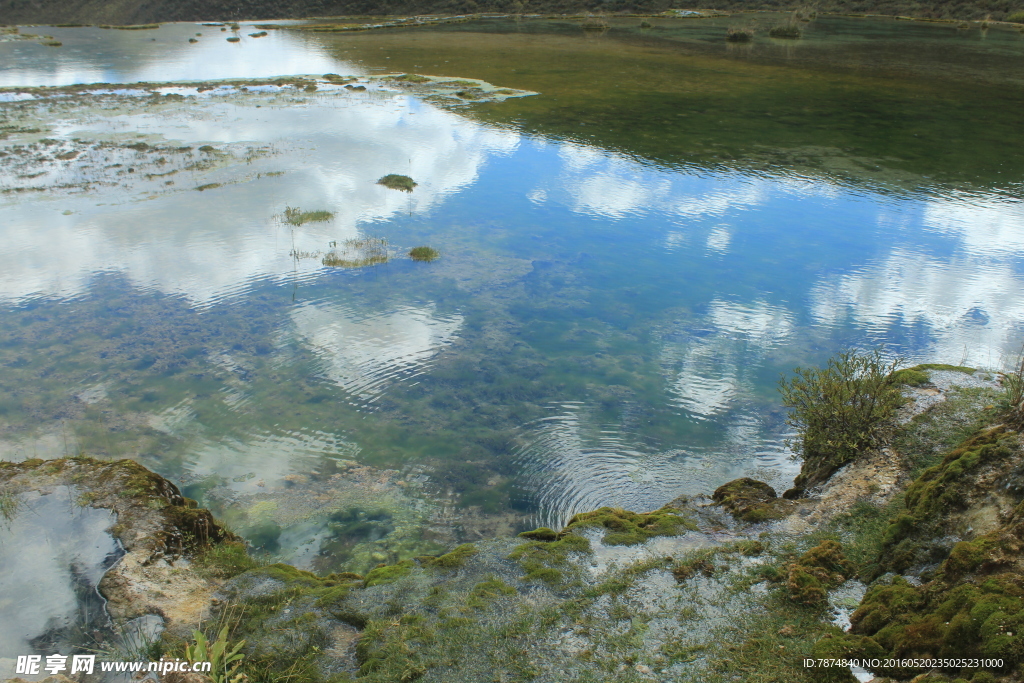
540, 534
940, 490
751, 500
818, 571
630, 528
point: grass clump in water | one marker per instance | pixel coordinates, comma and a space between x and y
423, 253
296, 216
358, 253
739, 35
234, 39
789, 30
397, 182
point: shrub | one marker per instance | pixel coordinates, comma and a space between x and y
739, 35
1016, 17
841, 410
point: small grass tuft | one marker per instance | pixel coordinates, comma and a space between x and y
296, 216
397, 182
424, 254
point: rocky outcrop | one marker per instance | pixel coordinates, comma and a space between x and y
160, 530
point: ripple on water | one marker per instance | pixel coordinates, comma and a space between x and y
53, 553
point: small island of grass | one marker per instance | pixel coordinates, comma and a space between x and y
296, 216
397, 182
424, 254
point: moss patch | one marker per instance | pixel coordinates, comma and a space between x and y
751, 500
629, 528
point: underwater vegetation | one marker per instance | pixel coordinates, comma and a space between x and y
358, 253
234, 39
397, 182
296, 216
424, 254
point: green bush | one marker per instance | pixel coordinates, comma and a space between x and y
1016, 17
841, 410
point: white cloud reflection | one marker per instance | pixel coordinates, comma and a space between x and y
204, 245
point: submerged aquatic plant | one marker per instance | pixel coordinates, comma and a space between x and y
397, 182
358, 253
296, 216
739, 35
423, 253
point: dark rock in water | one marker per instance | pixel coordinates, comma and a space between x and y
751, 500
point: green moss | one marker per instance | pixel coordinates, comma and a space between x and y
939, 490
540, 534
397, 182
487, 591
388, 573
452, 560
630, 528
541, 559
752, 501
944, 366
911, 377
818, 570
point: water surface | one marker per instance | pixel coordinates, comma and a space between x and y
629, 260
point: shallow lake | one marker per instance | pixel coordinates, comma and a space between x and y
639, 230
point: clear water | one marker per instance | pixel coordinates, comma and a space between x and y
629, 259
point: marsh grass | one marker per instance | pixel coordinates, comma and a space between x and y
739, 35
296, 216
358, 253
1013, 393
790, 31
395, 181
